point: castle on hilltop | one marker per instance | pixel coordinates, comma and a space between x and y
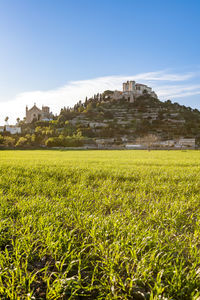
36, 114
132, 90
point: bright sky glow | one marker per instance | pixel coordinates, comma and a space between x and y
58, 52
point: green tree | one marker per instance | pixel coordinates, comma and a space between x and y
1, 139
6, 119
22, 142
9, 141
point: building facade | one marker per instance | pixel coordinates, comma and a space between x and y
132, 90
36, 114
129, 86
13, 129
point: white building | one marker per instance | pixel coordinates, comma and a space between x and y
137, 89
168, 143
132, 90
133, 146
186, 142
13, 129
181, 143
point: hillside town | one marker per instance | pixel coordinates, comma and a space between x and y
133, 118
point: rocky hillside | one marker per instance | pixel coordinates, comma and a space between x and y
104, 117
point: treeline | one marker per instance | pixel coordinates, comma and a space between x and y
43, 136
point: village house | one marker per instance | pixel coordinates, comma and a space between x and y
37, 114
168, 143
181, 143
13, 129
134, 146
187, 142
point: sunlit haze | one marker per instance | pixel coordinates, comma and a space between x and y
56, 53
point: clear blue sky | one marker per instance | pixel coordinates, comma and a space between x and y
46, 43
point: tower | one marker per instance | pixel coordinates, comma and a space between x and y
129, 86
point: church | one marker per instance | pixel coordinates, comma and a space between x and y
36, 114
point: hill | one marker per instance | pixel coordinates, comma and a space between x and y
104, 122
103, 117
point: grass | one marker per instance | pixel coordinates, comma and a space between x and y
100, 225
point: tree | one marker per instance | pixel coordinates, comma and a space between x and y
148, 140
91, 106
9, 141
22, 142
18, 120
168, 103
1, 139
145, 92
6, 119
108, 93
52, 142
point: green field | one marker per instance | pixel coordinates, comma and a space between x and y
100, 225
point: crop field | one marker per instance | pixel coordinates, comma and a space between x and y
100, 225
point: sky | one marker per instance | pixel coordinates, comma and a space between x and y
58, 52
